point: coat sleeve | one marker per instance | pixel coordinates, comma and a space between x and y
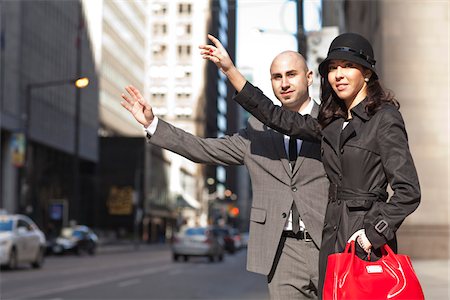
285, 121
228, 150
382, 223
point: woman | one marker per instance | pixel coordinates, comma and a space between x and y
364, 146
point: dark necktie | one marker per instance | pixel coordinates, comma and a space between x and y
293, 153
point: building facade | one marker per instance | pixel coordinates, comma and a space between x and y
49, 144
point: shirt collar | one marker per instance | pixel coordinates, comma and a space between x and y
308, 109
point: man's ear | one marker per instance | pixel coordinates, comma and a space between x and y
309, 77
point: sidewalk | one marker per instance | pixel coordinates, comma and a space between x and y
434, 275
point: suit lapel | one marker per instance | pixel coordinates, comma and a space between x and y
278, 142
305, 148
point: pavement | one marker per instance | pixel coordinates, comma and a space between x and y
433, 274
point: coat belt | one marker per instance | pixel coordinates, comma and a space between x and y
336, 192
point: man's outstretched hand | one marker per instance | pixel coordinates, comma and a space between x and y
137, 106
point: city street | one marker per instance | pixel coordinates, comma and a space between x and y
146, 273
124, 272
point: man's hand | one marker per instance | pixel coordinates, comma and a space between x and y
219, 55
136, 104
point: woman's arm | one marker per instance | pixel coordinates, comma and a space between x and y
282, 120
382, 223
255, 102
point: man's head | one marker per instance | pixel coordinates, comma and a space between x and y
290, 79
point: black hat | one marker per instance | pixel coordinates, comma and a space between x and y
352, 47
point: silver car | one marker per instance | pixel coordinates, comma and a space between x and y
197, 241
21, 241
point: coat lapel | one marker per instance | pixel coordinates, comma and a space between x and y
331, 134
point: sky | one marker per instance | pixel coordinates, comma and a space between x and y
264, 29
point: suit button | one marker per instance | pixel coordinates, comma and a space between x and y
342, 150
339, 202
335, 227
321, 151
294, 189
340, 176
284, 215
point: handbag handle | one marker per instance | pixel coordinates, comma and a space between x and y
385, 249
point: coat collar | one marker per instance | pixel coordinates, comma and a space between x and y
360, 110
336, 137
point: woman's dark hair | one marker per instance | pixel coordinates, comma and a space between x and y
332, 107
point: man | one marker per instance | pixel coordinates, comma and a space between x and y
287, 252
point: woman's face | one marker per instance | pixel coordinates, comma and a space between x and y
347, 80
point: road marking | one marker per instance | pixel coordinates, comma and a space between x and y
68, 287
129, 282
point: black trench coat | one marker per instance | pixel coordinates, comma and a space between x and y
360, 161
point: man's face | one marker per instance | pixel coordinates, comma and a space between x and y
290, 80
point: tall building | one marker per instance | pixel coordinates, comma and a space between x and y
49, 144
122, 62
174, 84
411, 45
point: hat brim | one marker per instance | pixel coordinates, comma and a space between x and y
345, 55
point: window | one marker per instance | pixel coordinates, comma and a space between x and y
183, 72
184, 30
184, 51
159, 9
159, 29
159, 51
184, 8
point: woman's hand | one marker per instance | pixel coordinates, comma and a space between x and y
219, 55
362, 240
136, 104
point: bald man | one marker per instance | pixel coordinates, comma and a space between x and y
288, 180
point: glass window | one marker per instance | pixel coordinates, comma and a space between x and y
184, 8
159, 9
6, 224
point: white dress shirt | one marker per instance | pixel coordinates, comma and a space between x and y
306, 111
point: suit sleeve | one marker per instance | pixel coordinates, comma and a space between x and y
381, 224
282, 120
228, 150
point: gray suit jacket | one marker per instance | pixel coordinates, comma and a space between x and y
274, 185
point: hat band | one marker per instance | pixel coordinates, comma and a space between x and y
360, 54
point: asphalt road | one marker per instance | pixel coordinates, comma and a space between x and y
146, 273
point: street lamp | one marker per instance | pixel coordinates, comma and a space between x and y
79, 83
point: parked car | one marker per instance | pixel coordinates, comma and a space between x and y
21, 241
76, 239
197, 241
224, 233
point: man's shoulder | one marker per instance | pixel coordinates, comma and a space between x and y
256, 125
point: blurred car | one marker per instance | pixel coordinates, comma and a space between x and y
244, 239
76, 239
225, 234
21, 241
197, 241
237, 238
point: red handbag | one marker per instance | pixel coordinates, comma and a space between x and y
350, 278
